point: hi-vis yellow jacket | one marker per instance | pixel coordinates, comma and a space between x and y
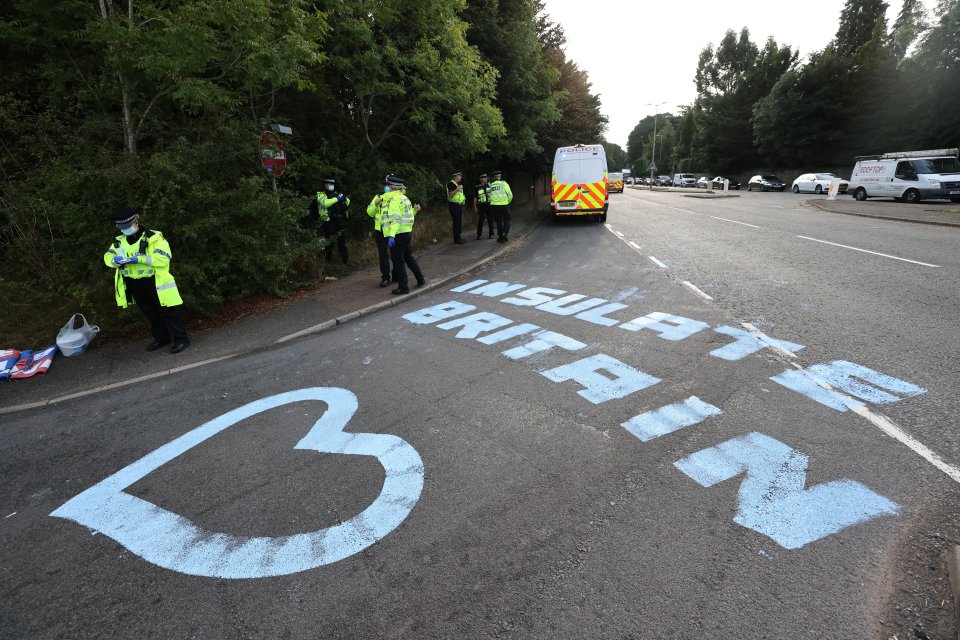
152, 254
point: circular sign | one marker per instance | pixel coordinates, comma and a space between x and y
271, 153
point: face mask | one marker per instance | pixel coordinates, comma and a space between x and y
129, 231
386, 189
329, 187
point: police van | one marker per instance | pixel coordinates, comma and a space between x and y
580, 182
909, 176
615, 182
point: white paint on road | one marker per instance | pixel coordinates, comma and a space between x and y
634, 245
174, 542
772, 499
884, 255
670, 418
618, 234
696, 290
746, 224
657, 262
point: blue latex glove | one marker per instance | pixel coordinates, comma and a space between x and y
391, 242
119, 261
341, 198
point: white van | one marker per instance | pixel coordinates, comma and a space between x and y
580, 182
910, 176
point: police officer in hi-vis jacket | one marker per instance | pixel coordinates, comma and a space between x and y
141, 260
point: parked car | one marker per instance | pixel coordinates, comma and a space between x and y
817, 183
684, 180
766, 183
718, 182
629, 180
702, 182
664, 181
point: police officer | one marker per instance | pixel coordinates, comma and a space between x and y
456, 199
331, 206
397, 226
375, 211
500, 198
141, 261
481, 206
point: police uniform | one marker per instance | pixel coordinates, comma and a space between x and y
375, 211
141, 261
331, 206
500, 198
456, 200
481, 203
397, 226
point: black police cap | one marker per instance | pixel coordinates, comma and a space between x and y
123, 216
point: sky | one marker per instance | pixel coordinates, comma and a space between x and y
641, 53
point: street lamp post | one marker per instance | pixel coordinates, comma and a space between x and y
653, 164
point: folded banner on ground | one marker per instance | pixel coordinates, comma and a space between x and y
24, 364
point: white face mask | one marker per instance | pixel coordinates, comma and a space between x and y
329, 187
129, 231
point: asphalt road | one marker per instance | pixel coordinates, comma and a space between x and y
510, 490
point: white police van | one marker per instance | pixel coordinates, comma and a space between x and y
910, 176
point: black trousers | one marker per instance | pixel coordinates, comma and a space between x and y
456, 214
165, 322
383, 253
402, 254
501, 216
334, 227
484, 212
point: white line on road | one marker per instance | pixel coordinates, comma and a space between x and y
884, 255
767, 340
684, 210
890, 428
746, 224
776, 206
634, 245
657, 262
608, 226
620, 235
697, 291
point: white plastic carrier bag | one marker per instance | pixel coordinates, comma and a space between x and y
74, 340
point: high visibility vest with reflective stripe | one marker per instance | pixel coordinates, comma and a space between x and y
460, 197
500, 193
153, 260
483, 193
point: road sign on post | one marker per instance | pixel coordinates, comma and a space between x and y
271, 153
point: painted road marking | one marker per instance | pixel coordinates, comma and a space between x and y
749, 342
619, 235
634, 245
692, 287
772, 499
746, 224
670, 418
657, 262
884, 255
686, 210
173, 542
770, 342
608, 226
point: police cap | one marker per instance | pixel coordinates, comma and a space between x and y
496, 173
123, 217
483, 175
456, 173
394, 181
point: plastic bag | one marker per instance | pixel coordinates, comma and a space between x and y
73, 341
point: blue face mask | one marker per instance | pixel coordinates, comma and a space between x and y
386, 189
329, 187
129, 231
